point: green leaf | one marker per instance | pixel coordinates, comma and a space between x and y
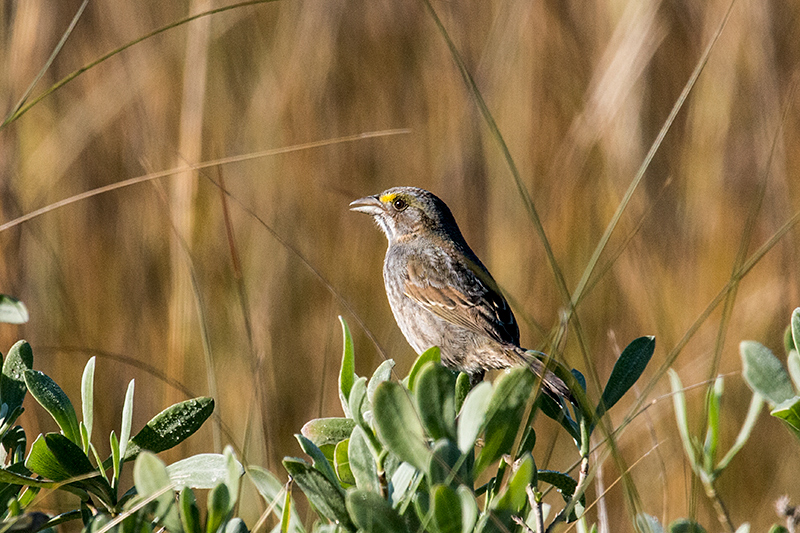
446, 509
561, 481
127, 420
56, 457
512, 390
324, 431
265, 483
320, 461
679, 404
436, 400
789, 412
362, 462
793, 362
373, 514
796, 328
328, 451
171, 426
347, 373
152, 480
326, 497
685, 525
469, 509
87, 400
788, 342
381, 374
764, 373
555, 411
201, 471
15, 478
67, 464
235, 471
115, 456
756, 403
40, 461
432, 354
473, 416
12, 311
579, 378
189, 512
398, 425
341, 464
52, 398
712, 432
515, 497
358, 393
12, 381
583, 407
446, 457
220, 505
626, 372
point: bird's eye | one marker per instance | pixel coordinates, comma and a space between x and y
399, 204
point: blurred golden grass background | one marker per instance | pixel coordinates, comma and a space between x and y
579, 91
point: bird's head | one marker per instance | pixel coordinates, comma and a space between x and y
406, 212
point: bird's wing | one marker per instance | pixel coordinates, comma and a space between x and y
464, 294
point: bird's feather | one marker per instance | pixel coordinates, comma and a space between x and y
478, 307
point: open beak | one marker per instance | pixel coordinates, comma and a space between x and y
369, 205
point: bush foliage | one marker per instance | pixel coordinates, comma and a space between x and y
425, 453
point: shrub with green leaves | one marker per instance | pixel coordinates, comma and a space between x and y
68, 460
154, 505
767, 377
770, 383
406, 456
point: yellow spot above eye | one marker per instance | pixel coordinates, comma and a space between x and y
387, 198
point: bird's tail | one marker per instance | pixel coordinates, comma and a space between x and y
552, 385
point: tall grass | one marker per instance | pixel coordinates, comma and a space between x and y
159, 273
